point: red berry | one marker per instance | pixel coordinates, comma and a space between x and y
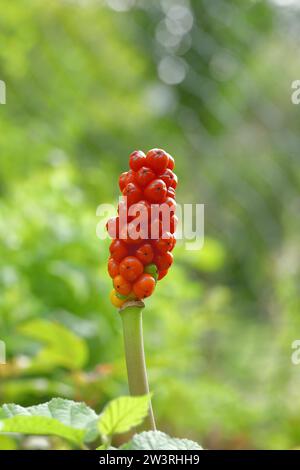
171, 192
131, 268
156, 191
136, 160
126, 178
136, 230
144, 176
121, 285
130, 234
112, 227
118, 250
155, 229
158, 160
174, 181
113, 267
145, 253
165, 243
123, 211
163, 261
173, 223
133, 193
130, 177
171, 203
144, 286
122, 180
169, 178
166, 211
162, 274
171, 162
141, 209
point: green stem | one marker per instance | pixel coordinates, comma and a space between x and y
131, 314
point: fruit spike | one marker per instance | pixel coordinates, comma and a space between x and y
140, 252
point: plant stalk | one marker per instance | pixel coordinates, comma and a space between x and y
131, 314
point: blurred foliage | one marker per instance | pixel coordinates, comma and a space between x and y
74, 425
87, 82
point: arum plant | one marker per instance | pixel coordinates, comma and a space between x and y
140, 258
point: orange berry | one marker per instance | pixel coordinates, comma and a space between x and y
157, 159
131, 268
137, 160
163, 261
133, 193
156, 191
145, 253
113, 267
162, 274
118, 250
165, 243
144, 286
122, 286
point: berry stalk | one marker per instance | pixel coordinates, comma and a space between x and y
132, 321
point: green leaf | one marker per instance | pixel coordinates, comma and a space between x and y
58, 417
63, 347
41, 425
156, 440
7, 443
122, 414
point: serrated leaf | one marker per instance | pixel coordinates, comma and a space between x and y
156, 440
41, 425
59, 417
122, 414
63, 347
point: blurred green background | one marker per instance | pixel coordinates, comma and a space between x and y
89, 81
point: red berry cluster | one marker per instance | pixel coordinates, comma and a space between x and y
140, 253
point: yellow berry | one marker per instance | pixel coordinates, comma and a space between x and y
115, 300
